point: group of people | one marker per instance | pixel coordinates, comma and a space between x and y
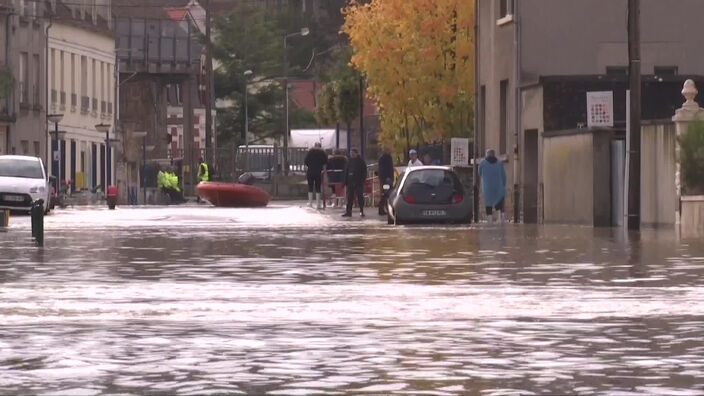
352, 173
167, 181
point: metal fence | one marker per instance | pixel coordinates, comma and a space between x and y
263, 162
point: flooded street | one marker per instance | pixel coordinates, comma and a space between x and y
285, 301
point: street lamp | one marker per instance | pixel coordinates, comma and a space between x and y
56, 155
247, 74
303, 32
143, 135
105, 128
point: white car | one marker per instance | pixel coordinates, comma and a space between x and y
23, 180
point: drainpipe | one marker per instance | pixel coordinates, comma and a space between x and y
46, 104
477, 83
517, 116
10, 96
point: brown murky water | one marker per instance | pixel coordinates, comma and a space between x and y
282, 301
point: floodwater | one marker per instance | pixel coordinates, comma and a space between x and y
287, 302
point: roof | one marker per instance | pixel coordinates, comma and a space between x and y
303, 94
148, 9
177, 14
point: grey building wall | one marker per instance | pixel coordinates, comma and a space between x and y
577, 37
28, 134
495, 64
567, 38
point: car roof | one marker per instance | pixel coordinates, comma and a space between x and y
20, 157
429, 167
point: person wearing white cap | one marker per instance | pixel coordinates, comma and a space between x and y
414, 159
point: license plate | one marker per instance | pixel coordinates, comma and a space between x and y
14, 198
430, 213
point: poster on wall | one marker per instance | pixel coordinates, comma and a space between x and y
600, 109
459, 152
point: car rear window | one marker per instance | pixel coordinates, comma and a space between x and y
11, 167
432, 186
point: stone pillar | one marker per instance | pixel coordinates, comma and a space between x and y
690, 111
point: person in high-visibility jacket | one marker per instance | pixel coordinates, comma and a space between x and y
203, 174
168, 182
203, 171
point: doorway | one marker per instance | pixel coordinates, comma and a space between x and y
530, 177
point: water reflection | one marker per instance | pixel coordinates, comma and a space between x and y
321, 307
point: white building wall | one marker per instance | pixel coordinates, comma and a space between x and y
81, 68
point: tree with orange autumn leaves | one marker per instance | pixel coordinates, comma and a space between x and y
418, 59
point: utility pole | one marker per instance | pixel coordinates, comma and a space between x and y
208, 88
635, 97
362, 137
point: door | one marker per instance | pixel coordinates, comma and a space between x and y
73, 160
94, 166
3, 140
530, 183
618, 174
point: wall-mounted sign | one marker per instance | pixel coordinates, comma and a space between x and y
600, 109
459, 152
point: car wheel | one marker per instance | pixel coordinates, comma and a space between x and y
398, 221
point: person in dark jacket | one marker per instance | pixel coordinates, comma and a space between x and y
386, 176
336, 174
315, 161
355, 178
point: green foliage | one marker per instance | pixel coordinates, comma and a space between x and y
338, 100
325, 112
692, 159
301, 119
251, 37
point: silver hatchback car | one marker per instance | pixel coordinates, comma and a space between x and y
429, 194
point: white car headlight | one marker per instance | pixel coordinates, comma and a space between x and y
35, 190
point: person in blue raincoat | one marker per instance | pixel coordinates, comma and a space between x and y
493, 176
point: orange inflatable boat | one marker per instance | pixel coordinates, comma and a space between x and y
233, 195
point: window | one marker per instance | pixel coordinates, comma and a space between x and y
661, 71
73, 75
37, 149
84, 75
25, 147
196, 120
432, 186
102, 81
37, 65
616, 70
482, 120
503, 116
505, 8
24, 72
93, 75
61, 71
53, 71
